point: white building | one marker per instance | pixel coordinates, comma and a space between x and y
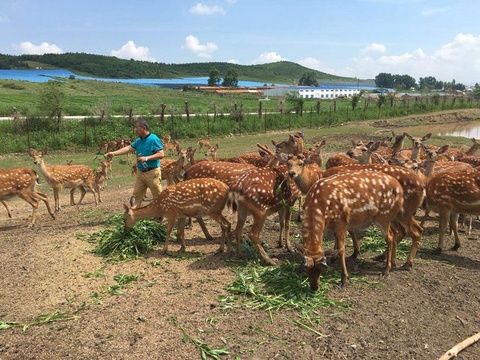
319, 92
325, 92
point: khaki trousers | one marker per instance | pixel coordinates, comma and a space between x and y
150, 179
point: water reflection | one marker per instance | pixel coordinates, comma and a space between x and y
461, 129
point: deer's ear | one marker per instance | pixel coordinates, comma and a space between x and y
133, 202
126, 207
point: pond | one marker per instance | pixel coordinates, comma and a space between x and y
461, 129
42, 75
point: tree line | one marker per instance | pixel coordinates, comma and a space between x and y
406, 82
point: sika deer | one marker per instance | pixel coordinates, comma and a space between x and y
22, 183
344, 202
171, 172
414, 152
191, 198
413, 196
71, 176
450, 194
204, 143
262, 192
100, 178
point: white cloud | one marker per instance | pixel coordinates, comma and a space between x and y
202, 50
232, 61
457, 60
434, 11
373, 48
132, 51
201, 9
315, 64
268, 57
27, 47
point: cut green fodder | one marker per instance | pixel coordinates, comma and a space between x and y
205, 350
373, 240
122, 280
40, 320
276, 288
116, 243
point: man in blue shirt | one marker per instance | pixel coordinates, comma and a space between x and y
149, 149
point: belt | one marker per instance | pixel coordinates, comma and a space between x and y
148, 169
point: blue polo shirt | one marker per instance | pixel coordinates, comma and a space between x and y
148, 146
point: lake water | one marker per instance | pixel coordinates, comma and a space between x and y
39, 75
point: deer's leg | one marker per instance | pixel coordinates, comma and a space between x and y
225, 226
94, 192
356, 245
181, 234
389, 234
443, 217
299, 215
454, 225
254, 235
170, 224
204, 228
56, 196
32, 201
72, 200
285, 215
8, 210
44, 198
241, 218
416, 232
83, 192
340, 235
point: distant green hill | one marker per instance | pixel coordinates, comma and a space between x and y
285, 72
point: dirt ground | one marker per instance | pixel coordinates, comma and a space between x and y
417, 314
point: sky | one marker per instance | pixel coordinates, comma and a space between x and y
354, 38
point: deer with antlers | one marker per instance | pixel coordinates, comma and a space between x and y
71, 176
191, 198
344, 202
22, 182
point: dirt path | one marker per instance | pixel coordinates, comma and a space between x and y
48, 270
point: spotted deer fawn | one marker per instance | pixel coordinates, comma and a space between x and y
191, 198
71, 176
344, 202
22, 182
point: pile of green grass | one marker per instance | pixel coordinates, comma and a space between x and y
116, 243
275, 288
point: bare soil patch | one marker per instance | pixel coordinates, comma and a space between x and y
417, 314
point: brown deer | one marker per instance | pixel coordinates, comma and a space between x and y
339, 160
191, 198
398, 141
204, 143
100, 178
22, 182
457, 154
414, 152
344, 202
71, 176
450, 194
294, 144
261, 192
414, 194
172, 171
